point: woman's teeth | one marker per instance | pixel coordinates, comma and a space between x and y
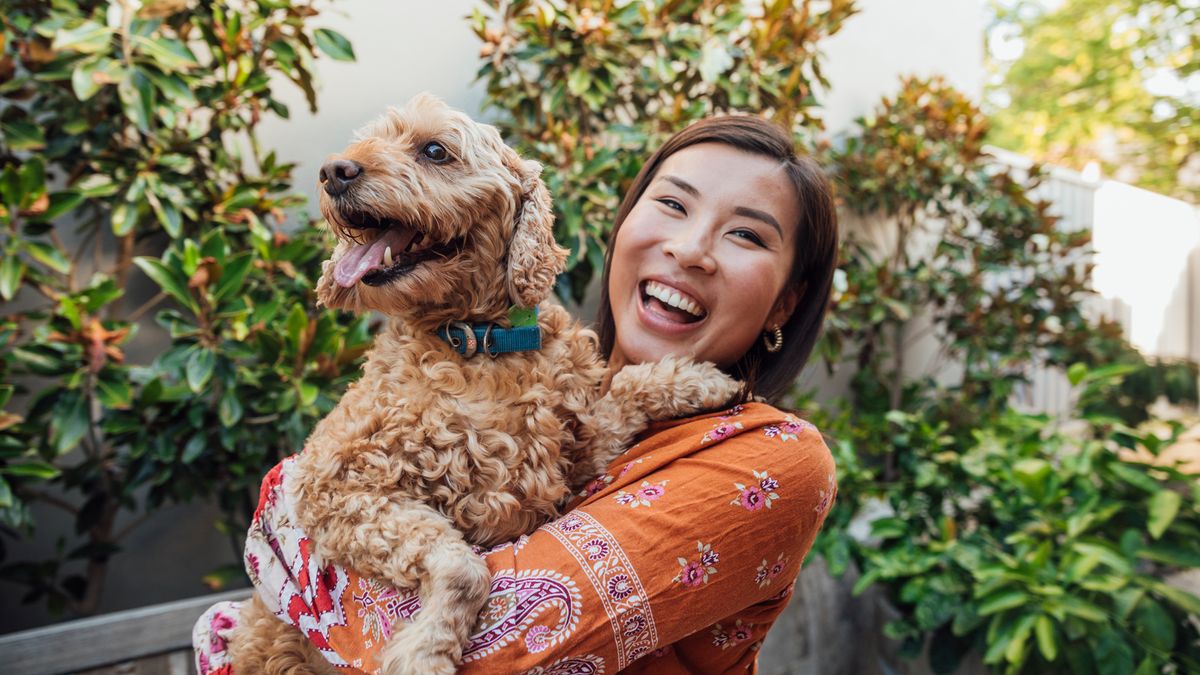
672, 297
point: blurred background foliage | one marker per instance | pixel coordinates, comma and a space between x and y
132, 183
1115, 82
591, 88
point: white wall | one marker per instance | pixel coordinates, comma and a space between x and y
403, 47
407, 46
892, 38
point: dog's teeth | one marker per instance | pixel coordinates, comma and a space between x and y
387, 256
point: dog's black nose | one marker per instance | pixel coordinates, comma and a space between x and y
337, 175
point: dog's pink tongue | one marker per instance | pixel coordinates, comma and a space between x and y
364, 257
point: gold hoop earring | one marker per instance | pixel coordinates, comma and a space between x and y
777, 343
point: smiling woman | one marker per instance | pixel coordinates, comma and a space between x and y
682, 554
728, 224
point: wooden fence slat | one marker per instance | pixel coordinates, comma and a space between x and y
105, 640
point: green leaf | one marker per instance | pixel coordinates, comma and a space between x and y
69, 422
1164, 506
88, 37
12, 269
60, 203
170, 54
1047, 643
23, 136
334, 44
6, 495
48, 255
297, 324
1000, 601
199, 368
1180, 598
229, 410
1076, 373
124, 218
232, 275
114, 393
1154, 625
171, 282
194, 448
37, 469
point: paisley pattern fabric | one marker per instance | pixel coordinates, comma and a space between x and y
677, 560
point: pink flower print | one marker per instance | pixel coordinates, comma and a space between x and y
791, 428
733, 412
535, 639
720, 432
752, 498
650, 492
570, 523
755, 497
771, 431
598, 483
596, 549
625, 469
696, 573
203, 663
645, 495
760, 576
734, 635
619, 587
692, 574
826, 496
777, 568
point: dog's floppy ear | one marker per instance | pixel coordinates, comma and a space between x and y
534, 259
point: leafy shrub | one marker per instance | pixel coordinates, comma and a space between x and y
591, 88
128, 156
1041, 550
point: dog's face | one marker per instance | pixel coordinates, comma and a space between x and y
436, 220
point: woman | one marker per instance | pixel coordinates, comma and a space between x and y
682, 555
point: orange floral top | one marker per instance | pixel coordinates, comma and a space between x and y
677, 560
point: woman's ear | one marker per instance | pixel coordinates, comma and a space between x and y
784, 306
534, 258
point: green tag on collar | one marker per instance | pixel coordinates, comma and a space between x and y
522, 316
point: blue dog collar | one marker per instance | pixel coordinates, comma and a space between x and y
471, 339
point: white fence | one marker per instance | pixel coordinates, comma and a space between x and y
1147, 274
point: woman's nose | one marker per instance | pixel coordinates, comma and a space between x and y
691, 248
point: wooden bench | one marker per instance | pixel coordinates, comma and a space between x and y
155, 639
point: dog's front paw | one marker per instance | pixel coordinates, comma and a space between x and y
413, 650
674, 387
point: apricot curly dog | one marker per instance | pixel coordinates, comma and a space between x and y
441, 226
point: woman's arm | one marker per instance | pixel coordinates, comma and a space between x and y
699, 530
699, 541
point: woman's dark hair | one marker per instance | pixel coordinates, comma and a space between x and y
765, 374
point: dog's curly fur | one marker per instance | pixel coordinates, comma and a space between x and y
431, 452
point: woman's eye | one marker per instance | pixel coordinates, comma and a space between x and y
750, 236
435, 152
672, 204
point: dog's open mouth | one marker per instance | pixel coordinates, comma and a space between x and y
387, 249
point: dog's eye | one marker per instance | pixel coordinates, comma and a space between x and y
435, 152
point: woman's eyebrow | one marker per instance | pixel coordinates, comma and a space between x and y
741, 210
760, 215
683, 185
